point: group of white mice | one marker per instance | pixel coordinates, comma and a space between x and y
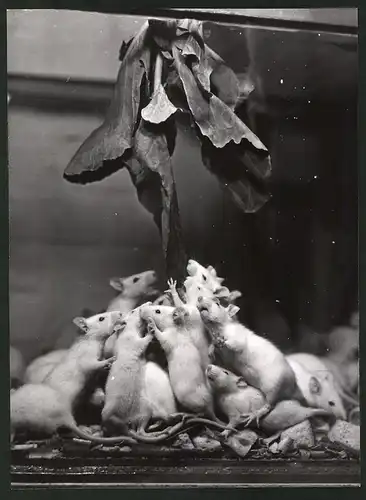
216, 372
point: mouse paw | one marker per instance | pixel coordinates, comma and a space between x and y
225, 434
172, 286
151, 326
219, 342
109, 362
249, 418
211, 352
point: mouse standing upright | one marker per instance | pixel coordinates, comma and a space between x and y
131, 291
45, 408
186, 366
257, 360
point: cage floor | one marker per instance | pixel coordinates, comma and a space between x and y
75, 465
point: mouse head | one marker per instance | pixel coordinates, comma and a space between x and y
162, 315
206, 277
193, 289
212, 312
323, 394
163, 300
99, 325
131, 325
135, 286
222, 380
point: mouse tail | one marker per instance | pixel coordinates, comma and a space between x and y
319, 412
182, 426
101, 440
214, 423
157, 437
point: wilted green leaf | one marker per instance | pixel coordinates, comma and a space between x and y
191, 26
159, 108
240, 172
151, 150
189, 47
115, 136
214, 118
225, 85
163, 32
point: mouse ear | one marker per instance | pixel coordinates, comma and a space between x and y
81, 323
235, 294
241, 382
117, 284
314, 386
222, 292
212, 271
232, 310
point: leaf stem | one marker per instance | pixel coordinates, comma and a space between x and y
158, 71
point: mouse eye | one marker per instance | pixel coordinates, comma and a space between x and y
101, 318
158, 311
331, 403
226, 372
204, 277
135, 280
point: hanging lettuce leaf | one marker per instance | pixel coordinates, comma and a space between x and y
191, 26
139, 129
214, 118
151, 150
241, 172
225, 85
160, 107
163, 33
148, 188
115, 136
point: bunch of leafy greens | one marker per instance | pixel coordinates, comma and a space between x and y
167, 68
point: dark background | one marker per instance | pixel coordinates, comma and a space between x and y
295, 260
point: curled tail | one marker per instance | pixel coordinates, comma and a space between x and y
102, 440
132, 437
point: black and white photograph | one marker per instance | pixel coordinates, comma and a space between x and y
183, 248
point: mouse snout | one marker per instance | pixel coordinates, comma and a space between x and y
202, 304
210, 372
191, 267
151, 277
